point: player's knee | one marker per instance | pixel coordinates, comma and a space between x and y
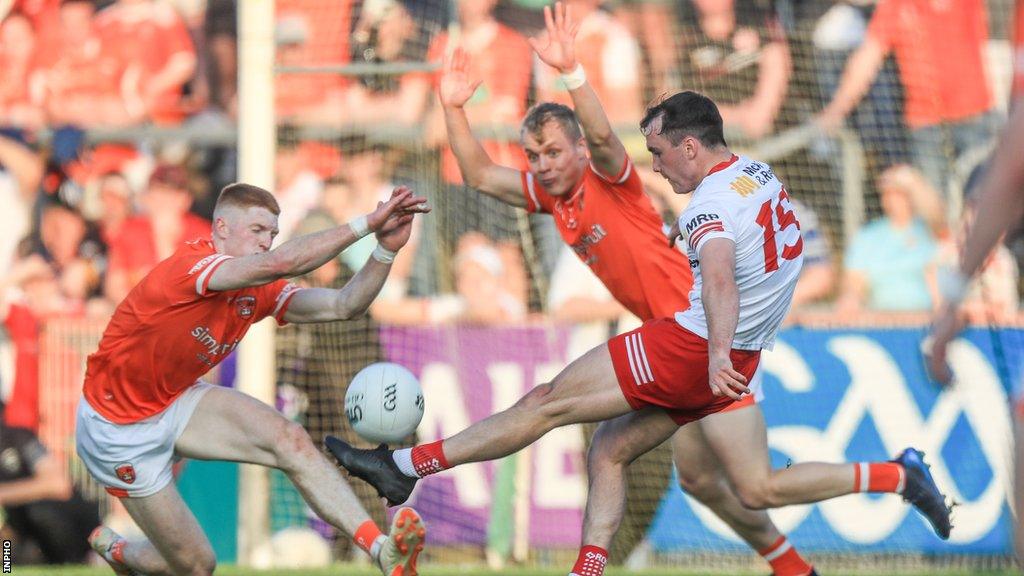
757, 495
604, 451
700, 484
293, 446
199, 563
542, 405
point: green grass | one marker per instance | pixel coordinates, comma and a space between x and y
348, 570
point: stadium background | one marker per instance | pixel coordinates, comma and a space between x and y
489, 302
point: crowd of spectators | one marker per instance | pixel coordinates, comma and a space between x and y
86, 220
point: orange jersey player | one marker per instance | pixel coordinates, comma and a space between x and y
144, 404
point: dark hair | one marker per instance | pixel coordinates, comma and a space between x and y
540, 114
687, 114
247, 196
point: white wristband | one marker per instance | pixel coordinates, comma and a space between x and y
360, 226
383, 255
575, 79
953, 285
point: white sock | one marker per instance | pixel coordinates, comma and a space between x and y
403, 459
376, 546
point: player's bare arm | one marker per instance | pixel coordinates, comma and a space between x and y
305, 253
557, 49
478, 170
721, 300
325, 304
1001, 205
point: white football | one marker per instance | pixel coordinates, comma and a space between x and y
384, 403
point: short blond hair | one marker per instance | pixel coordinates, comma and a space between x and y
243, 196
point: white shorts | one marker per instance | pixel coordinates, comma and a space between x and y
134, 459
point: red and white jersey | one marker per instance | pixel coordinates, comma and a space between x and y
742, 200
170, 330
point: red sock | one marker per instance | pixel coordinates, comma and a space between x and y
878, 477
366, 535
591, 561
429, 459
785, 560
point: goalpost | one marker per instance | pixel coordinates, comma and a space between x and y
256, 145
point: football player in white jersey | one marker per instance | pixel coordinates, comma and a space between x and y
745, 249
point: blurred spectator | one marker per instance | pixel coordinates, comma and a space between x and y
63, 265
940, 48
21, 171
818, 275
221, 35
298, 187
80, 77
735, 52
650, 21
890, 261
611, 56
388, 31
116, 200
151, 40
50, 519
502, 61
311, 33
17, 63
838, 30
153, 236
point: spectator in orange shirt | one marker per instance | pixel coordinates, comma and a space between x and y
81, 79
17, 62
311, 33
151, 40
147, 239
940, 49
502, 60
612, 55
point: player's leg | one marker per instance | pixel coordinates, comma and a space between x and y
230, 425
585, 391
175, 542
741, 444
702, 476
615, 445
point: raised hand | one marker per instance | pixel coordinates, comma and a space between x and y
556, 46
402, 203
456, 88
396, 229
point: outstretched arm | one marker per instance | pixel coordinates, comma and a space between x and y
1000, 206
306, 253
557, 49
721, 299
478, 170
325, 304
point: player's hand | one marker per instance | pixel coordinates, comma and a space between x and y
456, 88
556, 46
402, 203
674, 234
725, 380
945, 327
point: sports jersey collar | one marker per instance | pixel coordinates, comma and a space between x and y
723, 165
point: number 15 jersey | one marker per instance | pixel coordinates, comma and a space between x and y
742, 200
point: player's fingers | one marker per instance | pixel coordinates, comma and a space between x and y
735, 375
549, 20
725, 390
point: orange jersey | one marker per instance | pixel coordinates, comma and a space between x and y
170, 330
613, 228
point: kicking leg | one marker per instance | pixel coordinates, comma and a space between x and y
585, 391
616, 444
759, 487
701, 475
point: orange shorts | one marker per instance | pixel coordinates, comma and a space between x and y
665, 365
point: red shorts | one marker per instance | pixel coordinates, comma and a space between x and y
665, 365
